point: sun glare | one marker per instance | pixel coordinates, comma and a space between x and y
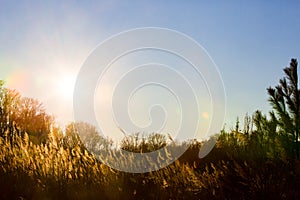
65, 86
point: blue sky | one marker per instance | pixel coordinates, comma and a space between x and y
42, 42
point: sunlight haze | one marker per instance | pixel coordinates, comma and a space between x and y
43, 44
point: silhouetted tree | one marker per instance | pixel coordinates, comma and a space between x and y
248, 125
71, 138
237, 125
86, 136
143, 143
265, 138
284, 99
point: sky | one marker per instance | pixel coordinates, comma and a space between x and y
43, 44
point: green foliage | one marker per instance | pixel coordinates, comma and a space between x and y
51, 171
285, 100
40, 161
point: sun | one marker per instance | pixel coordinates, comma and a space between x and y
65, 86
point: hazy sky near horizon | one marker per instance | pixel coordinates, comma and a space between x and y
44, 43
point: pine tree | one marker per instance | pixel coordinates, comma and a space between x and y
284, 99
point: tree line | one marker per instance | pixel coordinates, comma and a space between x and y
40, 160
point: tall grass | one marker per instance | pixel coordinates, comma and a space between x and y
52, 171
